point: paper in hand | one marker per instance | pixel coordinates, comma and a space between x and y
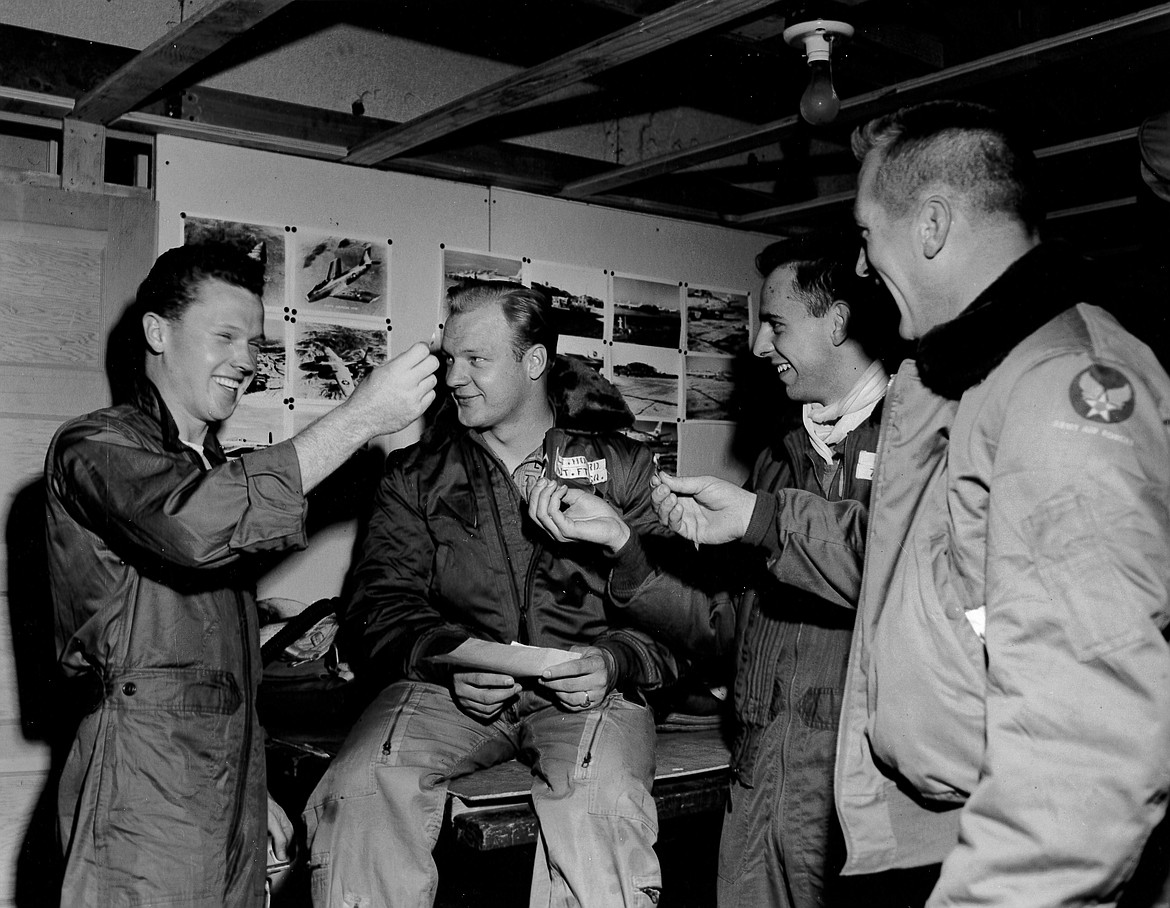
515, 659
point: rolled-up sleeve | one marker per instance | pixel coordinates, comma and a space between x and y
161, 504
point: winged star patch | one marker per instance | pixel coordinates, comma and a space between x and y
1102, 394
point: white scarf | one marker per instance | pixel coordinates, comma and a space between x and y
829, 424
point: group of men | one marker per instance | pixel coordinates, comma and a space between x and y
951, 677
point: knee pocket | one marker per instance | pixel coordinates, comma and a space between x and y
616, 762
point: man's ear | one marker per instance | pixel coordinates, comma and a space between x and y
840, 314
156, 330
536, 361
934, 223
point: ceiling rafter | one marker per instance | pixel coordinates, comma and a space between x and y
986, 69
184, 46
676, 23
838, 200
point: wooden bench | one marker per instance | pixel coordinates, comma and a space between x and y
490, 809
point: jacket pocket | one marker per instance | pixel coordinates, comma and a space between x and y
170, 782
1070, 545
928, 671
820, 707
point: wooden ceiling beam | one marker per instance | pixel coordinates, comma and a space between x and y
828, 203
184, 46
1153, 20
678, 22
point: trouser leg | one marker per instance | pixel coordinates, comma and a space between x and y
751, 866
781, 842
591, 792
374, 818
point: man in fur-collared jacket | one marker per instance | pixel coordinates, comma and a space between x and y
451, 556
1007, 708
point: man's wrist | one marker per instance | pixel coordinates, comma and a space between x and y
624, 534
617, 662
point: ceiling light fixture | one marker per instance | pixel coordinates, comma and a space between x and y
819, 103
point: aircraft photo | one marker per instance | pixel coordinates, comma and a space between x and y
337, 281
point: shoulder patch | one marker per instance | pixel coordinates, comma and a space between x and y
1102, 394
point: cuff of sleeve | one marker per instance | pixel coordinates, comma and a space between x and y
763, 518
631, 567
436, 643
625, 661
277, 507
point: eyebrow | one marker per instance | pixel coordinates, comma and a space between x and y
461, 351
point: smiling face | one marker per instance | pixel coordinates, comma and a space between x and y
490, 387
798, 344
887, 253
203, 361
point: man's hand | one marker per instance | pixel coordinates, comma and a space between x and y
583, 683
397, 393
280, 831
574, 515
483, 695
702, 509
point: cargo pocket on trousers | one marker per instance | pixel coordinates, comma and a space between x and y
610, 738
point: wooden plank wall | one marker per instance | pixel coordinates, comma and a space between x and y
69, 263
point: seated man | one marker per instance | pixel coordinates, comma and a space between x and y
821, 327
449, 556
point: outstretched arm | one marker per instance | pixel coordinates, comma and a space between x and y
813, 544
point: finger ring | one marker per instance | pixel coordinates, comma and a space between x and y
587, 702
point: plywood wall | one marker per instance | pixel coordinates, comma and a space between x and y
69, 263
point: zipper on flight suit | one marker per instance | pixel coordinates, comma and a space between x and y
529, 580
517, 600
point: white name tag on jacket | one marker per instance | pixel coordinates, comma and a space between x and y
580, 468
865, 462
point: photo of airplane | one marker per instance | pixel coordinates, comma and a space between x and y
338, 278
336, 372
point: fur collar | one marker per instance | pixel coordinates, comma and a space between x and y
1036, 288
584, 400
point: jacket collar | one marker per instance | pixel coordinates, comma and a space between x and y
959, 354
146, 398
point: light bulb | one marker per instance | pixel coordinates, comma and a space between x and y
819, 103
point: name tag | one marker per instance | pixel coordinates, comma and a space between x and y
865, 463
594, 471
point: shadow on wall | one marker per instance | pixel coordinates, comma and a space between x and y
42, 708
46, 715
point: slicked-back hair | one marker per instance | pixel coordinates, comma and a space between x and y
823, 265
967, 147
528, 312
171, 285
